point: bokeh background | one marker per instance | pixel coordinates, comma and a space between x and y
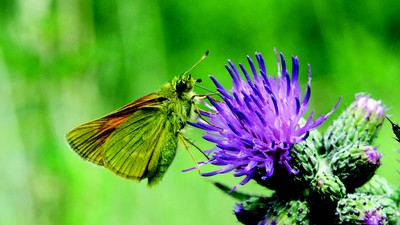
63, 63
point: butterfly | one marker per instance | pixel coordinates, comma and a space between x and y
139, 140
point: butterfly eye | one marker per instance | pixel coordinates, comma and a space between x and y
181, 86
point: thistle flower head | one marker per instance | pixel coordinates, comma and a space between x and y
258, 120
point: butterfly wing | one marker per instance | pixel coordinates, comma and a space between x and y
88, 139
143, 146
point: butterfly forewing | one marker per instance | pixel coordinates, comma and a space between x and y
88, 139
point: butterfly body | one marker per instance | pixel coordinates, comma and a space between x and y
140, 139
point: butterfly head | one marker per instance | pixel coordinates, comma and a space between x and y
184, 84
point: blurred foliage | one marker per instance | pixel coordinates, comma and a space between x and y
66, 62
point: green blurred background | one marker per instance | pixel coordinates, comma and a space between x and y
63, 63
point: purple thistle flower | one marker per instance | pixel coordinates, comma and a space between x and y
258, 121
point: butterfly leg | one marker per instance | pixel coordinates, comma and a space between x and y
198, 110
194, 145
185, 140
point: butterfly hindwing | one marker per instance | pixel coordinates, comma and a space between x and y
139, 146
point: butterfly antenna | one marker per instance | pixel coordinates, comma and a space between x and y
201, 59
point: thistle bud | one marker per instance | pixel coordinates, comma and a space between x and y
359, 123
377, 185
355, 164
287, 212
252, 210
328, 188
361, 208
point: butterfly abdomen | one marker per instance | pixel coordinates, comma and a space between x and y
166, 157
